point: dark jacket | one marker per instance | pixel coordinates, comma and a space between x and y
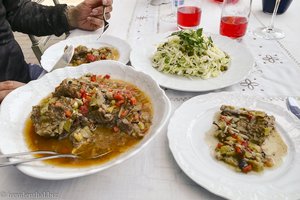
30, 18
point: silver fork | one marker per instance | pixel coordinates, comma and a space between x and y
106, 24
52, 155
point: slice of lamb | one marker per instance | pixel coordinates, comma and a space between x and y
48, 119
48, 125
100, 116
125, 125
68, 88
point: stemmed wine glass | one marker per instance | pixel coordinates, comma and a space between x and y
270, 32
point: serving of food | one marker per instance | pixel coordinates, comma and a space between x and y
103, 112
191, 60
190, 53
90, 116
83, 54
247, 139
88, 49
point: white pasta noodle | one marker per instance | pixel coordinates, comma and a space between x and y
190, 53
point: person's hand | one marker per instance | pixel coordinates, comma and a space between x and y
88, 15
7, 86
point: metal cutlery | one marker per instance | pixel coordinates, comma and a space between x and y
49, 155
65, 59
293, 106
106, 24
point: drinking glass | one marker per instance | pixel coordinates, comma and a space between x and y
189, 14
270, 32
234, 18
171, 17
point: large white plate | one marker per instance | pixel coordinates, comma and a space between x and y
187, 134
16, 107
241, 64
54, 52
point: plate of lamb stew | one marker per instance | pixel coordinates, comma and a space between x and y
96, 109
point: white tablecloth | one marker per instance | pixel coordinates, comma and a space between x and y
153, 173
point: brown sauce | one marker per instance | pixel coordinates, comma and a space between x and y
118, 142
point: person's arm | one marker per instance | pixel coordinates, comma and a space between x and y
32, 18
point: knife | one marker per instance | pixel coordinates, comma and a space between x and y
65, 59
293, 106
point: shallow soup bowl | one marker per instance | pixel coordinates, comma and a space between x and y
17, 106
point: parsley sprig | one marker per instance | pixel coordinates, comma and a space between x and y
191, 40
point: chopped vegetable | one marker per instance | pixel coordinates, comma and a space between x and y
90, 57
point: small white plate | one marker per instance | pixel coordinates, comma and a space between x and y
53, 53
16, 108
241, 63
188, 131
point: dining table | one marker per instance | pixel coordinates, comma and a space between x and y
153, 173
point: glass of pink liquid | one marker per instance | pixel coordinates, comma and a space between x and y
189, 14
234, 18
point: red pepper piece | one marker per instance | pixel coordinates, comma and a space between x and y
90, 57
93, 78
132, 100
247, 169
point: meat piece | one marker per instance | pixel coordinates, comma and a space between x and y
81, 50
125, 125
50, 117
256, 125
101, 116
48, 123
232, 111
68, 88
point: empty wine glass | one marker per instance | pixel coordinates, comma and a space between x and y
270, 32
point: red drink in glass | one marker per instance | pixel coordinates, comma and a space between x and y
229, 1
233, 26
188, 17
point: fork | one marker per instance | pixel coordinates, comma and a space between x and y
52, 155
106, 24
